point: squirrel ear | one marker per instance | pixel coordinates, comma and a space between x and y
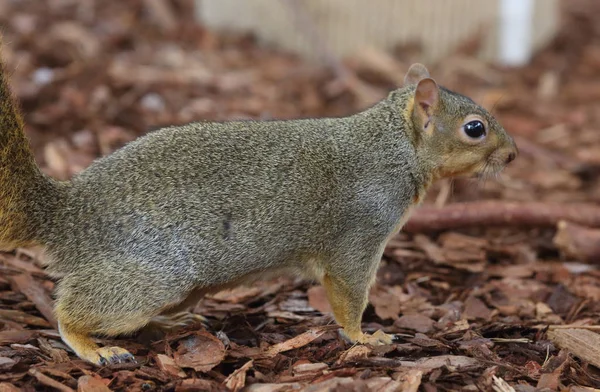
427, 93
415, 74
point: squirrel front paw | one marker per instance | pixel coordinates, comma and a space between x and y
113, 355
379, 338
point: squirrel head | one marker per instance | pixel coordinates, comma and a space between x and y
457, 137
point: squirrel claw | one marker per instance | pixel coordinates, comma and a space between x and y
114, 355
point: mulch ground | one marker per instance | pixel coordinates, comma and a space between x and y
478, 308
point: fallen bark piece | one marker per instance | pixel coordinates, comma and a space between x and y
6, 363
416, 322
501, 213
552, 370
453, 362
237, 379
6, 387
382, 384
579, 242
168, 366
499, 385
16, 336
412, 381
299, 341
23, 318
581, 342
34, 292
354, 353
48, 381
91, 384
263, 387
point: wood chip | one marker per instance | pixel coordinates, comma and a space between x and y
237, 380
6, 363
6, 387
298, 341
168, 365
499, 385
581, 342
16, 336
35, 293
22, 317
412, 380
91, 384
43, 379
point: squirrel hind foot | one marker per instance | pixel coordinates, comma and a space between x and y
113, 355
85, 348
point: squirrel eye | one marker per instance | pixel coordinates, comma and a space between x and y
474, 129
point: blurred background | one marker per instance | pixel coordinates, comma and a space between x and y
92, 75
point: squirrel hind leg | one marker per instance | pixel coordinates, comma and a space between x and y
76, 330
82, 344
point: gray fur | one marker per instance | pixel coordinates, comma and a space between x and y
205, 204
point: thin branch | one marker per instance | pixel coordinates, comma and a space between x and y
501, 213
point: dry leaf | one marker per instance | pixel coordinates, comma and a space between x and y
200, 351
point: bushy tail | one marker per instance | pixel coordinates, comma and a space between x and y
24, 189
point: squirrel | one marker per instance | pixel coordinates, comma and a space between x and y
183, 211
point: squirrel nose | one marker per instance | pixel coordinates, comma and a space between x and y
511, 157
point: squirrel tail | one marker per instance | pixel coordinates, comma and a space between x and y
26, 194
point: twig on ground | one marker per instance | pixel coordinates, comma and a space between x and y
501, 213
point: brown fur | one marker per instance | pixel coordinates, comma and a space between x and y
24, 191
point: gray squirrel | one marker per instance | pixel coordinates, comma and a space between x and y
193, 209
